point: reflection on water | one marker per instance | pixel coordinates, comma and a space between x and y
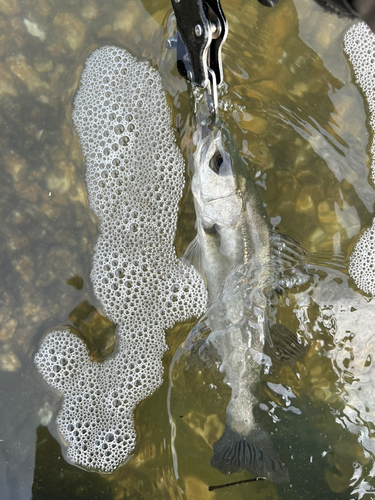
319, 411
301, 125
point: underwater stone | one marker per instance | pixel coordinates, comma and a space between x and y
135, 178
7, 329
6, 83
305, 204
9, 362
327, 217
89, 10
74, 30
18, 66
9, 7
34, 30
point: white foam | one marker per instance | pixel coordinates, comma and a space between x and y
135, 178
359, 43
362, 261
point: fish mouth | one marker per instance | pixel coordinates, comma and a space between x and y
204, 119
205, 127
206, 132
205, 135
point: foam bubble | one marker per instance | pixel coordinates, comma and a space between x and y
135, 178
359, 43
362, 261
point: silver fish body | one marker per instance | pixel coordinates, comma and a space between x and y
232, 224
233, 251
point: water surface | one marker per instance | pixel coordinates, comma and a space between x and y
301, 124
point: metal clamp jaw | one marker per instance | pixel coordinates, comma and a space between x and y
201, 32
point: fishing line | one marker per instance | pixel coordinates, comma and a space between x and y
212, 488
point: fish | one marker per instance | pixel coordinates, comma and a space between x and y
239, 255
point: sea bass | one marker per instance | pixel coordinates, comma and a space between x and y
234, 251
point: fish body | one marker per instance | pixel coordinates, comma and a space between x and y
233, 250
232, 224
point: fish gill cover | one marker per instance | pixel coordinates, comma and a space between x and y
360, 46
135, 178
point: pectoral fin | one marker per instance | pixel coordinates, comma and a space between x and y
193, 255
297, 265
291, 260
285, 348
287, 248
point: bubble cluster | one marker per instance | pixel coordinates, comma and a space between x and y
362, 261
135, 178
359, 43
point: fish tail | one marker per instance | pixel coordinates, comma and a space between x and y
255, 452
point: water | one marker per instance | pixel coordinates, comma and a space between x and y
292, 108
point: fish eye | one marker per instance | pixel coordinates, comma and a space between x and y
216, 162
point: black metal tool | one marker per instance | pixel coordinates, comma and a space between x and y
362, 9
201, 32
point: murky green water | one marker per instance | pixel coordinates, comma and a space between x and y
290, 104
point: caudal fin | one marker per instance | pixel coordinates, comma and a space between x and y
234, 452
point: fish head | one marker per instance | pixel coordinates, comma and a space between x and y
218, 181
